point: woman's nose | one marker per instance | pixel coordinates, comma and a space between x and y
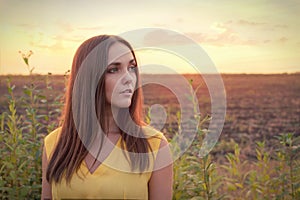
127, 78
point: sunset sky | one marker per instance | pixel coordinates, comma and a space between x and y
249, 36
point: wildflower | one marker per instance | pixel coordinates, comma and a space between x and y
26, 60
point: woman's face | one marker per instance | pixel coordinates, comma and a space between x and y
120, 76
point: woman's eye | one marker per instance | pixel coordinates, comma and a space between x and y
132, 68
112, 70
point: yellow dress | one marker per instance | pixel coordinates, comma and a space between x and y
105, 182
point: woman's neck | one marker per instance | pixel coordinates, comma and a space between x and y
112, 125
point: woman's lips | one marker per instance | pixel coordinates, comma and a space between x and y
126, 91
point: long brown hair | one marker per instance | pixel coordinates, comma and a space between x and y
70, 150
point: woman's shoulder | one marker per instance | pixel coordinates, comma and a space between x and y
151, 133
53, 135
154, 136
51, 140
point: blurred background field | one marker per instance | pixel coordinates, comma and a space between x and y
258, 106
256, 156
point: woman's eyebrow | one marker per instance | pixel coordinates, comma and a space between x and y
132, 61
115, 63
119, 63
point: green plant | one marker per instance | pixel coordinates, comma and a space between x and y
20, 165
260, 179
288, 156
235, 179
22, 129
26, 60
195, 175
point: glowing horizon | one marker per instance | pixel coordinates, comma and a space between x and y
257, 38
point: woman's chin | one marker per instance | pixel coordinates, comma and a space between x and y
123, 104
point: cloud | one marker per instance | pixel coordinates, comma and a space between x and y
250, 23
162, 37
90, 28
247, 23
54, 43
65, 26
58, 45
27, 26
222, 39
239, 32
225, 35
280, 26
41, 41
282, 40
68, 38
180, 20
160, 25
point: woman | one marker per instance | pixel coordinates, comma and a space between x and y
114, 156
